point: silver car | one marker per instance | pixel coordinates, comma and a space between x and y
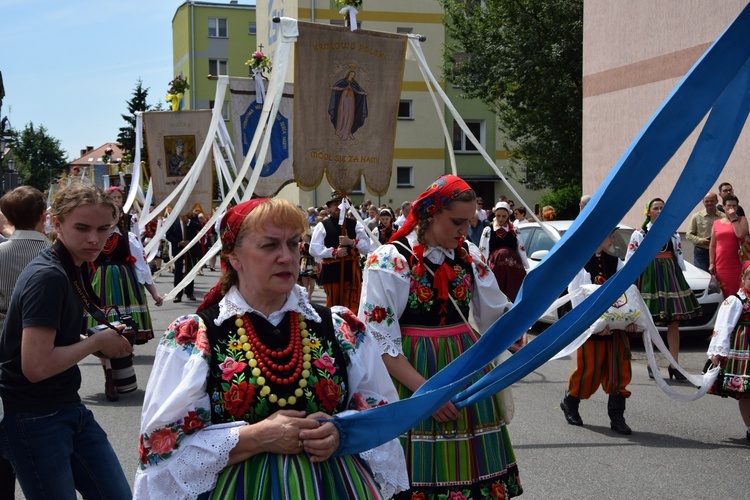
538, 244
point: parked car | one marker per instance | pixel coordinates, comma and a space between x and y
539, 243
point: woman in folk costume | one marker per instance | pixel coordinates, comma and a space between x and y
730, 347
385, 228
416, 296
502, 246
663, 286
119, 281
250, 387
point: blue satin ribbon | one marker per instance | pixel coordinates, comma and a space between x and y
718, 82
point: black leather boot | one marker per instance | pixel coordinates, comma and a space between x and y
569, 406
616, 409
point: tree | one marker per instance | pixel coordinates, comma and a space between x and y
524, 59
126, 137
39, 156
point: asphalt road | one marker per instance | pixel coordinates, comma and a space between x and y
677, 451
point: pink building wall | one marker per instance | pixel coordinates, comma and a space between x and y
634, 53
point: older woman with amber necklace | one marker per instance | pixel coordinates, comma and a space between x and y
243, 396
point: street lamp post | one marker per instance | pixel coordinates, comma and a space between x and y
11, 172
5, 137
2, 171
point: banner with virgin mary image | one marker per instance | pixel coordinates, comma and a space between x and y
347, 86
174, 139
277, 168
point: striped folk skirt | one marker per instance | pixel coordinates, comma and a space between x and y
293, 477
666, 292
471, 456
734, 382
117, 285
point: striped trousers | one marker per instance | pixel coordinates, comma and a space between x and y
604, 362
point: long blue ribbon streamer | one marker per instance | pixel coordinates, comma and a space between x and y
703, 87
709, 156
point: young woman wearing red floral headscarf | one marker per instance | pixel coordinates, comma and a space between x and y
417, 292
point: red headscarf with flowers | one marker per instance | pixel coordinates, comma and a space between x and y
228, 231
440, 194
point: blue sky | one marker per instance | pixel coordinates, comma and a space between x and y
73, 65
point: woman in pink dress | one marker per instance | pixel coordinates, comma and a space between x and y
726, 236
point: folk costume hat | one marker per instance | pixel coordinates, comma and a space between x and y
504, 205
229, 228
441, 193
335, 197
386, 211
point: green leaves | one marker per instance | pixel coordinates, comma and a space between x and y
524, 59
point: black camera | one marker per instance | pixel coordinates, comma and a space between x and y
128, 332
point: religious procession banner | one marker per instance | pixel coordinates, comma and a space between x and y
347, 86
174, 139
277, 166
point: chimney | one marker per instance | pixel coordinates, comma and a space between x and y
83, 152
89, 148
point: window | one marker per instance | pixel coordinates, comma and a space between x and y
252, 29
358, 188
406, 110
217, 27
460, 61
405, 31
217, 67
461, 144
405, 177
224, 109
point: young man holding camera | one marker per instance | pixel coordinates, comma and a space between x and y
48, 435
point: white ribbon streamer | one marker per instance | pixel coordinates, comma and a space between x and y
289, 33
260, 89
416, 52
352, 13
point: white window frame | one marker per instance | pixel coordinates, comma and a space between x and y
252, 28
410, 114
410, 171
465, 143
219, 64
215, 31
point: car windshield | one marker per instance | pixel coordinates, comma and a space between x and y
536, 239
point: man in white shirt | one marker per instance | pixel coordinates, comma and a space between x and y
405, 208
339, 249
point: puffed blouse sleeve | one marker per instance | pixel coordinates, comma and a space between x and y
484, 242
635, 240
488, 303
727, 318
181, 452
521, 248
370, 385
142, 271
385, 290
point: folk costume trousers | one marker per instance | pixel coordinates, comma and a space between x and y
602, 362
